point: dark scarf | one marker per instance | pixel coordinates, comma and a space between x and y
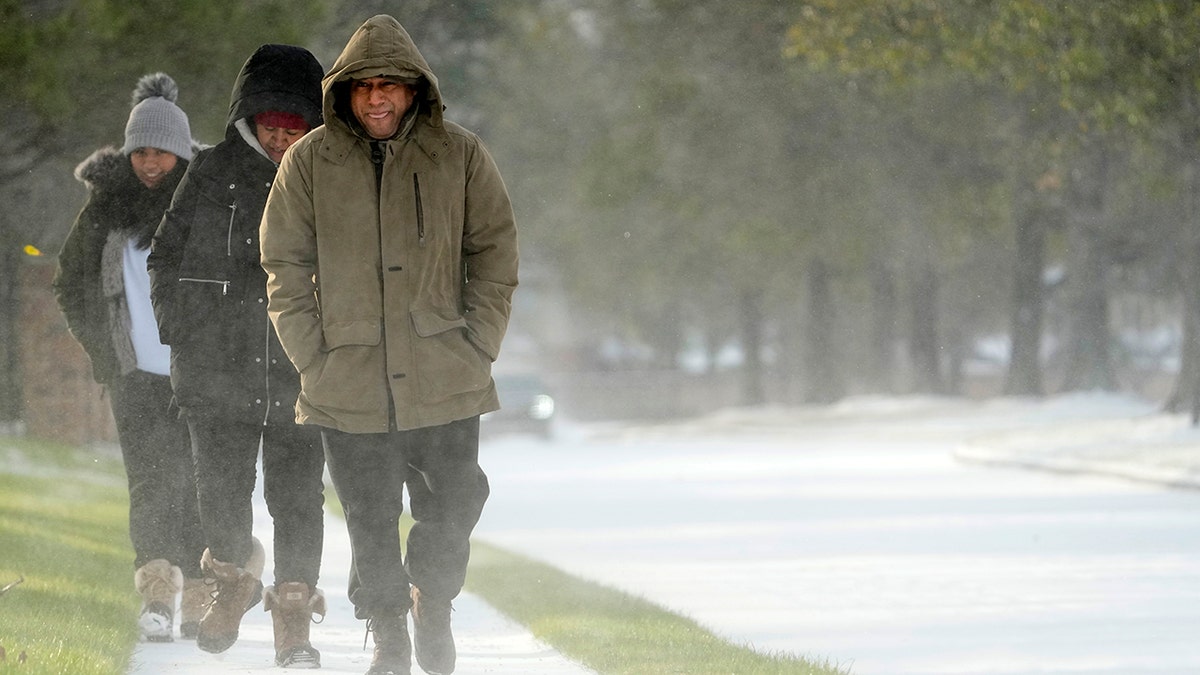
139, 209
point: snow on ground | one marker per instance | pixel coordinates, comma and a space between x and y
889, 536
871, 534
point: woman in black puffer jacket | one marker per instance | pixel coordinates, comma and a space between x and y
230, 376
103, 290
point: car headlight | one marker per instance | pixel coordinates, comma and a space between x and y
542, 407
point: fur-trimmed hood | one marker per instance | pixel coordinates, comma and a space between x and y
118, 201
108, 169
105, 169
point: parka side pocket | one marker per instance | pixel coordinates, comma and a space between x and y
197, 309
448, 364
343, 377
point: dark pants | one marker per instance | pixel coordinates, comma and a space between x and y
447, 490
226, 455
163, 521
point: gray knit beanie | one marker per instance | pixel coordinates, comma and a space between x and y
155, 121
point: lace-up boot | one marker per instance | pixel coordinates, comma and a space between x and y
433, 642
393, 651
237, 589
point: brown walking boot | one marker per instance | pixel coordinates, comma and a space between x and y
237, 589
432, 640
158, 581
292, 605
192, 605
393, 651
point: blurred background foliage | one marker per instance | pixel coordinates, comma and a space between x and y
804, 199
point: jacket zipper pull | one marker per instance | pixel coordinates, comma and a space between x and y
229, 234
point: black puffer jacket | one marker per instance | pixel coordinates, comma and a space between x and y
207, 285
117, 204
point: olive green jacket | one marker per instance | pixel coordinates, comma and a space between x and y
405, 290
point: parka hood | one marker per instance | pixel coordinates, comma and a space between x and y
379, 48
104, 168
125, 203
277, 77
108, 170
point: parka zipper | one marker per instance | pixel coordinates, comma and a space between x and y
267, 376
420, 210
224, 283
229, 233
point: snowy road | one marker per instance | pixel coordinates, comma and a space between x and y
852, 534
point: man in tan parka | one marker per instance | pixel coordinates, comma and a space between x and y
391, 254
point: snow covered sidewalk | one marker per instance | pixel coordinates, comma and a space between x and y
1137, 443
487, 641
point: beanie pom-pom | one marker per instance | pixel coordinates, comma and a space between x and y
155, 85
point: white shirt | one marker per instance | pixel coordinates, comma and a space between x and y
152, 355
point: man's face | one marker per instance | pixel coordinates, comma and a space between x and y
379, 103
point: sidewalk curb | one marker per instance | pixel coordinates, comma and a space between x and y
1130, 470
1158, 449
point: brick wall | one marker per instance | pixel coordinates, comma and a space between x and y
62, 402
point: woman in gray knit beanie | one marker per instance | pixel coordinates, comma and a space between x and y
103, 289
156, 128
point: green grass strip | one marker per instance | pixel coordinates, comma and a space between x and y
64, 530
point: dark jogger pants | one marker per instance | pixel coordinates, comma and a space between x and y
163, 520
447, 490
226, 454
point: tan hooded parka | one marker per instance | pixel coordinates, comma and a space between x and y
407, 289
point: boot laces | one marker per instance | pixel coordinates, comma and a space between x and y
373, 627
213, 586
367, 633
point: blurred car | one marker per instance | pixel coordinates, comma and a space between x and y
525, 405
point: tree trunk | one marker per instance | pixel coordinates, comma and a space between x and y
753, 390
880, 357
1024, 370
923, 346
1089, 359
825, 381
11, 395
1186, 393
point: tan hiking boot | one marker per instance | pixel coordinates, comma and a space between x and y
393, 650
292, 606
158, 582
192, 606
237, 589
433, 643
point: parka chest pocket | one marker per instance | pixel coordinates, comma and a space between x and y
207, 285
210, 257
